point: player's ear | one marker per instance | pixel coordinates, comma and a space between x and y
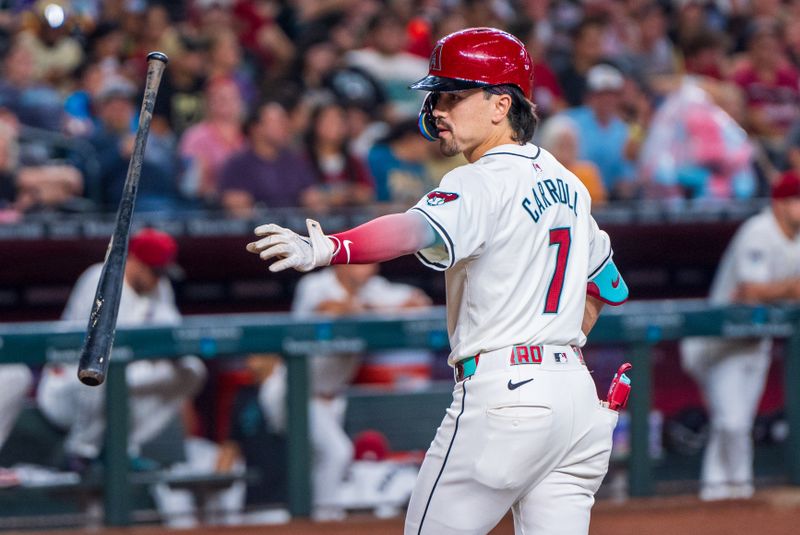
501, 107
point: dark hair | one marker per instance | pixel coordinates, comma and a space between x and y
254, 115
312, 148
522, 114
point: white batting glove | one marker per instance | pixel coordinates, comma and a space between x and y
291, 249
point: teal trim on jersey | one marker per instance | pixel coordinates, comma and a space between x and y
606, 280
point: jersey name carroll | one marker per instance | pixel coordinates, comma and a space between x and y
548, 192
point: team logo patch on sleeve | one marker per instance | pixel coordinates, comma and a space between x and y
436, 198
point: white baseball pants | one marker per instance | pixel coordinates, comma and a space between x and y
539, 448
16, 380
732, 375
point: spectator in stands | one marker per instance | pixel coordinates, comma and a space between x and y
225, 60
53, 187
113, 142
587, 51
268, 172
547, 93
694, 149
771, 86
364, 103
398, 165
603, 134
343, 179
48, 37
80, 117
33, 102
704, 55
654, 54
158, 389
690, 18
262, 35
181, 97
760, 266
560, 136
337, 291
209, 143
9, 164
385, 58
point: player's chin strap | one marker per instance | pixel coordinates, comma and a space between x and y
425, 122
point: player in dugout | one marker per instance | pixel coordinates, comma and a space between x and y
513, 232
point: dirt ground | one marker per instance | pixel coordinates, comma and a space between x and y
771, 512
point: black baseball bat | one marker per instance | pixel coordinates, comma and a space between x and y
96, 350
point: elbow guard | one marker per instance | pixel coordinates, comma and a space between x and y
608, 286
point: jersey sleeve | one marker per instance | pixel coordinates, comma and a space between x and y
459, 211
600, 252
604, 281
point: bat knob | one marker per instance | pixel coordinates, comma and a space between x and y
91, 377
160, 56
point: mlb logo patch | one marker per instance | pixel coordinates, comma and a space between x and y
560, 357
437, 198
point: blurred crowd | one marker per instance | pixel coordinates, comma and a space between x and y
278, 103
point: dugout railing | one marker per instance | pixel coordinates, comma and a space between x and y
637, 325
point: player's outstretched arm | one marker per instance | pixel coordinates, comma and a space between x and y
381, 239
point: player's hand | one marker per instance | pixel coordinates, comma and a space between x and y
292, 250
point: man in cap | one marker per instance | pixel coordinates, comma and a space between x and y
513, 232
760, 266
603, 133
158, 388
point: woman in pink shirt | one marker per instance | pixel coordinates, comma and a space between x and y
209, 143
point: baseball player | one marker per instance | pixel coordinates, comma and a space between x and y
334, 291
761, 265
512, 231
158, 389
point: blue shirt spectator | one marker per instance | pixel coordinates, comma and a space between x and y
603, 134
397, 165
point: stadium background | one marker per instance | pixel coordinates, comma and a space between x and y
668, 240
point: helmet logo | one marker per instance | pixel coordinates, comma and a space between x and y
436, 58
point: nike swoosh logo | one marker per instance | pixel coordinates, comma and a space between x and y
347, 243
614, 283
514, 386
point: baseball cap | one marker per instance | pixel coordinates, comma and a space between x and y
370, 445
157, 250
116, 87
787, 186
604, 78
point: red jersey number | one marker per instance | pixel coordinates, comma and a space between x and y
561, 238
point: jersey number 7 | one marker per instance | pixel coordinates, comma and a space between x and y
561, 238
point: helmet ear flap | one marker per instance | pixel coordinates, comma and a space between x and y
426, 122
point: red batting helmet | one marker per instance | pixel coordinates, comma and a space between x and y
478, 57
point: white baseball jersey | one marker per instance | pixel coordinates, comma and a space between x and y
332, 374
758, 253
157, 306
519, 245
157, 388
